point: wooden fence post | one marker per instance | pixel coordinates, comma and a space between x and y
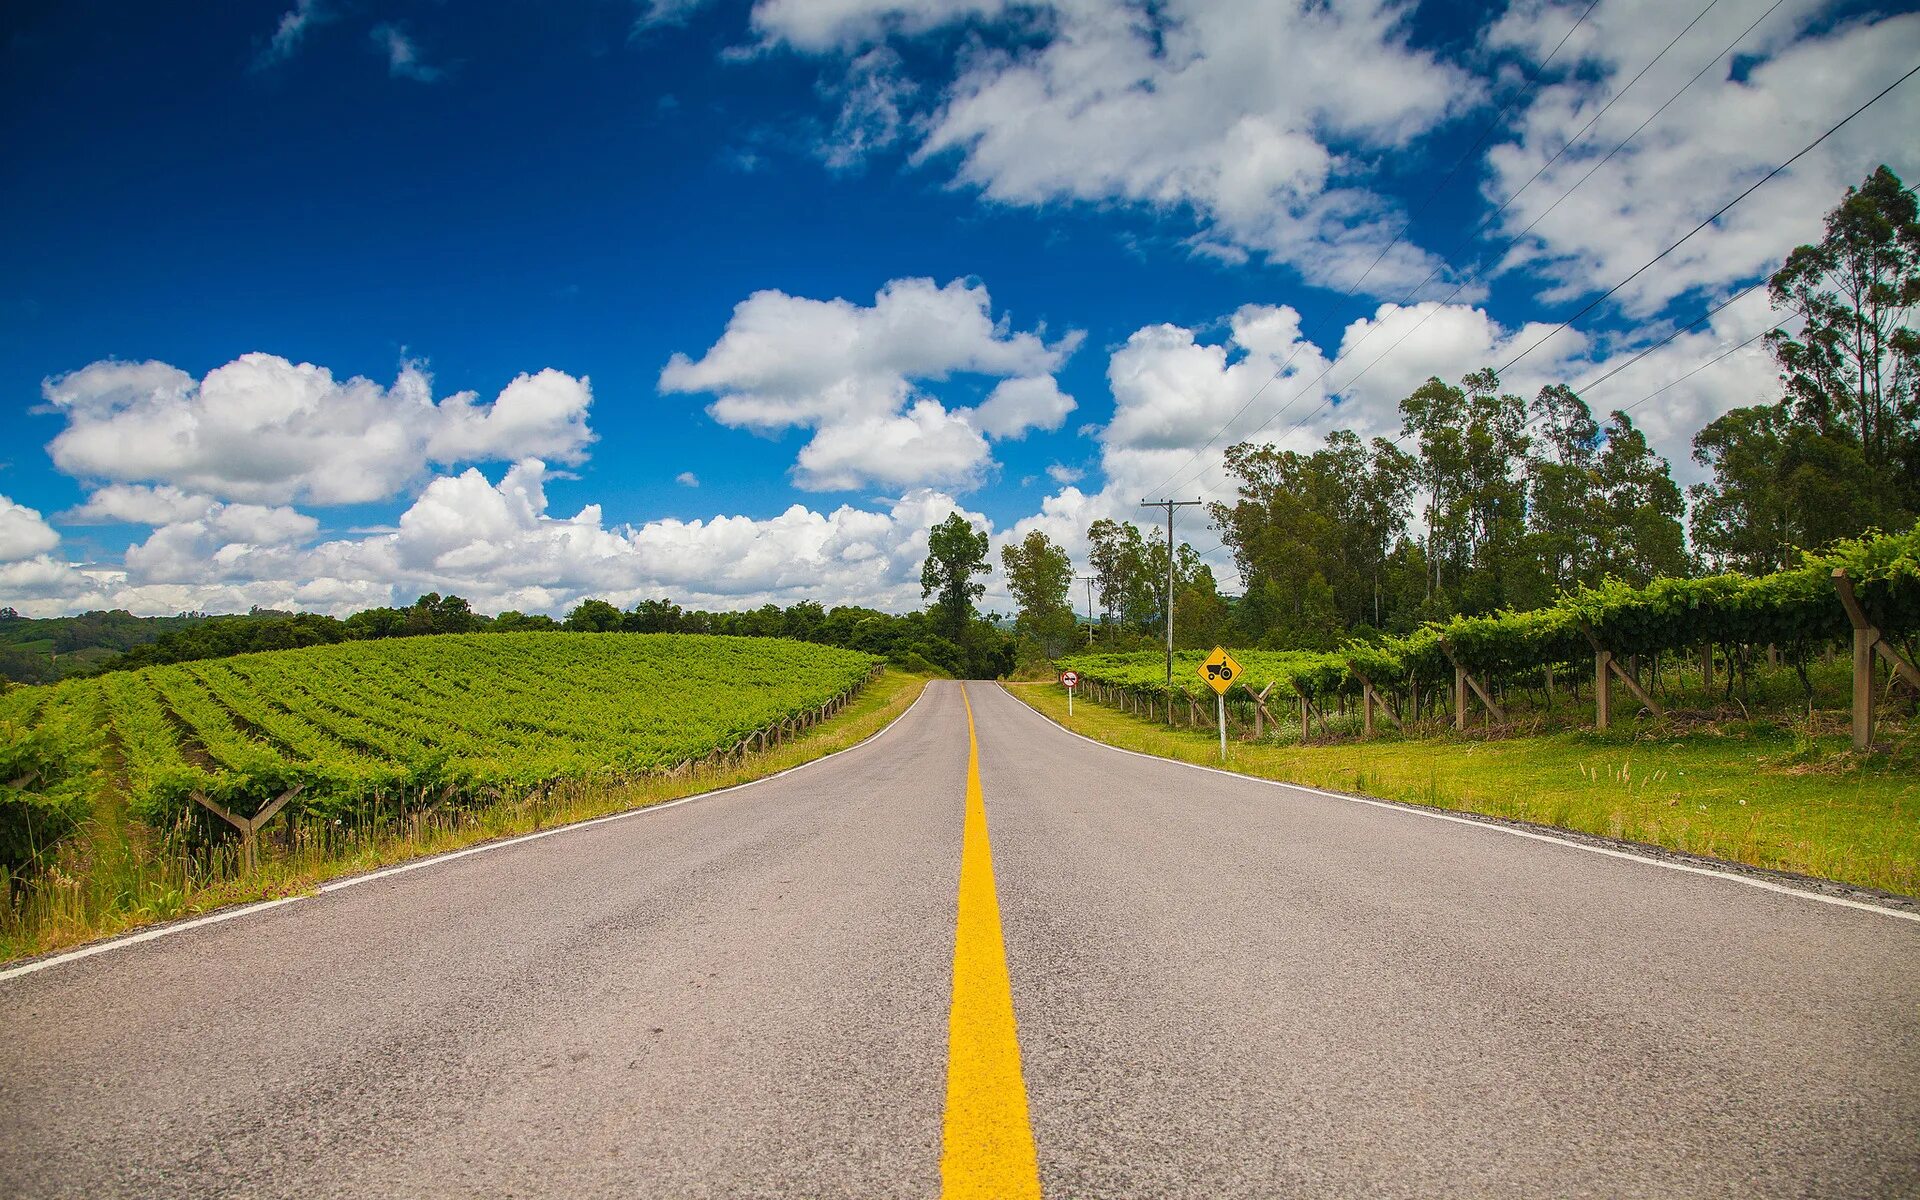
1867, 641
1602, 688
1304, 732
249, 827
1369, 696
1462, 680
1260, 714
1706, 665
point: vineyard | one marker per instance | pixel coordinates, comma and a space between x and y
358, 732
1865, 594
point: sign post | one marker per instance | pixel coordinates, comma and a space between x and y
1072, 680
1219, 670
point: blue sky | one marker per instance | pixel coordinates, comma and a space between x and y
838, 230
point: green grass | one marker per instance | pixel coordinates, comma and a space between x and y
1759, 792
115, 877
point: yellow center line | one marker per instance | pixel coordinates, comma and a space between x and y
987, 1144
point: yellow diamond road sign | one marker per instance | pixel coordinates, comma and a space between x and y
1220, 670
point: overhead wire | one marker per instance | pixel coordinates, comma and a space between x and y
1532, 80
1718, 213
1512, 240
1487, 220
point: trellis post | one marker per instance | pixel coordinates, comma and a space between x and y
1602, 688
1260, 716
1462, 680
249, 827
1369, 696
1866, 642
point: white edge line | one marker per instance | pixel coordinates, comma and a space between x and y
1765, 885
229, 914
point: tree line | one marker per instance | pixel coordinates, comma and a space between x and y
1491, 501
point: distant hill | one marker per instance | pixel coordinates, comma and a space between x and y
45, 649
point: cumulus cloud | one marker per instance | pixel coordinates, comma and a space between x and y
1180, 400
1018, 405
1262, 141
1781, 86
267, 431
851, 374
498, 544
687, 479
226, 542
23, 533
138, 504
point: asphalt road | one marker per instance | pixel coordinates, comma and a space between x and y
1222, 988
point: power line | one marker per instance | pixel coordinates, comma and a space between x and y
1802, 152
1515, 238
1703, 366
1459, 162
1640, 270
1695, 323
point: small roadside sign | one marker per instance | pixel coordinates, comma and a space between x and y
1070, 679
1219, 670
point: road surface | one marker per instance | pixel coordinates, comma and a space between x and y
1221, 988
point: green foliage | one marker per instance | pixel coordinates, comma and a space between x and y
956, 552
370, 728
1839, 454
1039, 575
1795, 610
49, 747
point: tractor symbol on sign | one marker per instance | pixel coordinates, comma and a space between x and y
1221, 671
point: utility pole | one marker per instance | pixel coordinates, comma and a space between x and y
1088, 580
1170, 505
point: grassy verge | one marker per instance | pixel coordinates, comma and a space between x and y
112, 883
1755, 792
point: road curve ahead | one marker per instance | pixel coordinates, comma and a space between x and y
1154, 981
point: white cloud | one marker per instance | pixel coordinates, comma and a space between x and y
138, 504
687, 479
264, 430
925, 445
1018, 405
1061, 473
1716, 140
229, 541
872, 97
1256, 122
23, 533
823, 25
1180, 402
403, 55
498, 545
290, 31
1675, 391
1383, 358
850, 374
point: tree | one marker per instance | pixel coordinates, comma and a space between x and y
956, 552
1123, 579
1472, 445
1565, 533
1853, 371
1312, 534
1040, 575
1639, 509
594, 616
